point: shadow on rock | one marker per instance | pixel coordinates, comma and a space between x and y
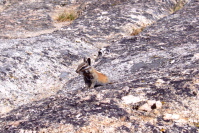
70, 109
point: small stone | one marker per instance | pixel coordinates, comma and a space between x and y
78, 115
171, 117
86, 98
5, 109
175, 116
159, 82
14, 123
172, 61
126, 88
158, 104
131, 99
150, 105
106, 101
110, 129
99, 96
151, 102
196, 56
77, 40
183, 120
145, 107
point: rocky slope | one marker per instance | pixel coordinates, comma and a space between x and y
151, 54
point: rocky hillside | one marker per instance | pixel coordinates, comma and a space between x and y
149, 49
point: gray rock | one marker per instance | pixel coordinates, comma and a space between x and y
39, 88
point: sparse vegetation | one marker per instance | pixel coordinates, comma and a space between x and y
196, 124
179, 4
137, 31
67, 16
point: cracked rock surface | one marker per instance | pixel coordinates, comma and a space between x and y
149, 49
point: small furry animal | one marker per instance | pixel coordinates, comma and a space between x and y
92, 77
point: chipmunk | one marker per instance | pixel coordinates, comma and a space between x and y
92, 77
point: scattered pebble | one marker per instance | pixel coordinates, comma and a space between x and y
150, 105
129, 99
159, 82
196, 56
171, 117
145, 107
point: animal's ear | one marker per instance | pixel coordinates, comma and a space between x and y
89, 61
85, 59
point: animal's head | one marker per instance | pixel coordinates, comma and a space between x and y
83, 67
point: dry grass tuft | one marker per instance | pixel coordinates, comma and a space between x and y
137, 31
65, 13
179, 5
67, 16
